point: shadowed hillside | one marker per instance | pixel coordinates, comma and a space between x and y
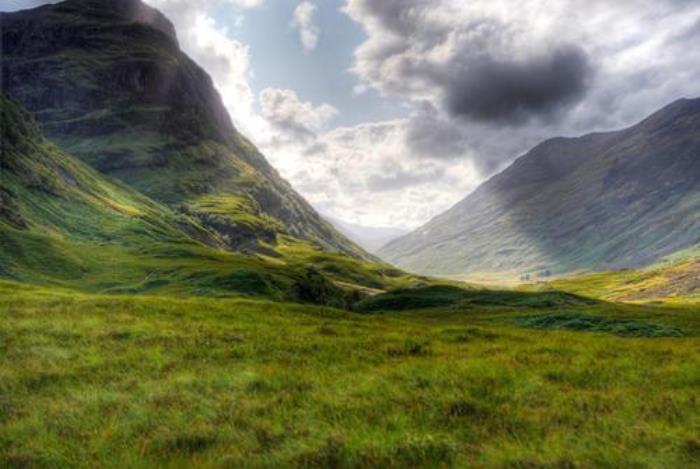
608, 200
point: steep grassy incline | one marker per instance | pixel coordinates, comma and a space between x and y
618, 199
56, 213
63, 223
108, 83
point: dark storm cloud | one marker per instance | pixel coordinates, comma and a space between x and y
485, 77
486, 89
443, 140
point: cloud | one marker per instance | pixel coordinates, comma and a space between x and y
244, 3
471, 63
293, 117
485, 80
430, 135
397, 177
486, 89
369, 173
493, 61
481, 82
303, 21
226, 59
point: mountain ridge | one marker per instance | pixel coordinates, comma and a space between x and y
64, 224
567, 203
109, 84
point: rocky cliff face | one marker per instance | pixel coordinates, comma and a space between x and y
87, 67
608, 200
106, 81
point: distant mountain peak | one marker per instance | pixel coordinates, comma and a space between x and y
371, 238
683, 107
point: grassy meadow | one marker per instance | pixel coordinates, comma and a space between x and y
168, 300
410, 379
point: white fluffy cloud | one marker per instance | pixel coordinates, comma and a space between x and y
370, 174
289, 115
303, 21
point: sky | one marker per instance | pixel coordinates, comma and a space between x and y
388, 112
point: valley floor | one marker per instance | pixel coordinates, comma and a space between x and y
116, 381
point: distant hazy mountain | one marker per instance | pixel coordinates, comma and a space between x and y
604, 200
372, 238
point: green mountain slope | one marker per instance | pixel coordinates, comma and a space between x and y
108, 83
52, 208
607, 200
63, 223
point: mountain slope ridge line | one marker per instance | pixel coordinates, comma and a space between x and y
604, 200
108, 83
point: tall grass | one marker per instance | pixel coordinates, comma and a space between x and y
90, 380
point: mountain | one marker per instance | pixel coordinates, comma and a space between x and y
371, 238
121, 172
62, 223
601, 201
108, 83
58, 216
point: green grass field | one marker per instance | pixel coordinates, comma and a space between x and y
486, 379
168, 300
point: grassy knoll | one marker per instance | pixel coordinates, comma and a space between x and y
117, 381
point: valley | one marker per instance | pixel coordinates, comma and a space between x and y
167, 298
